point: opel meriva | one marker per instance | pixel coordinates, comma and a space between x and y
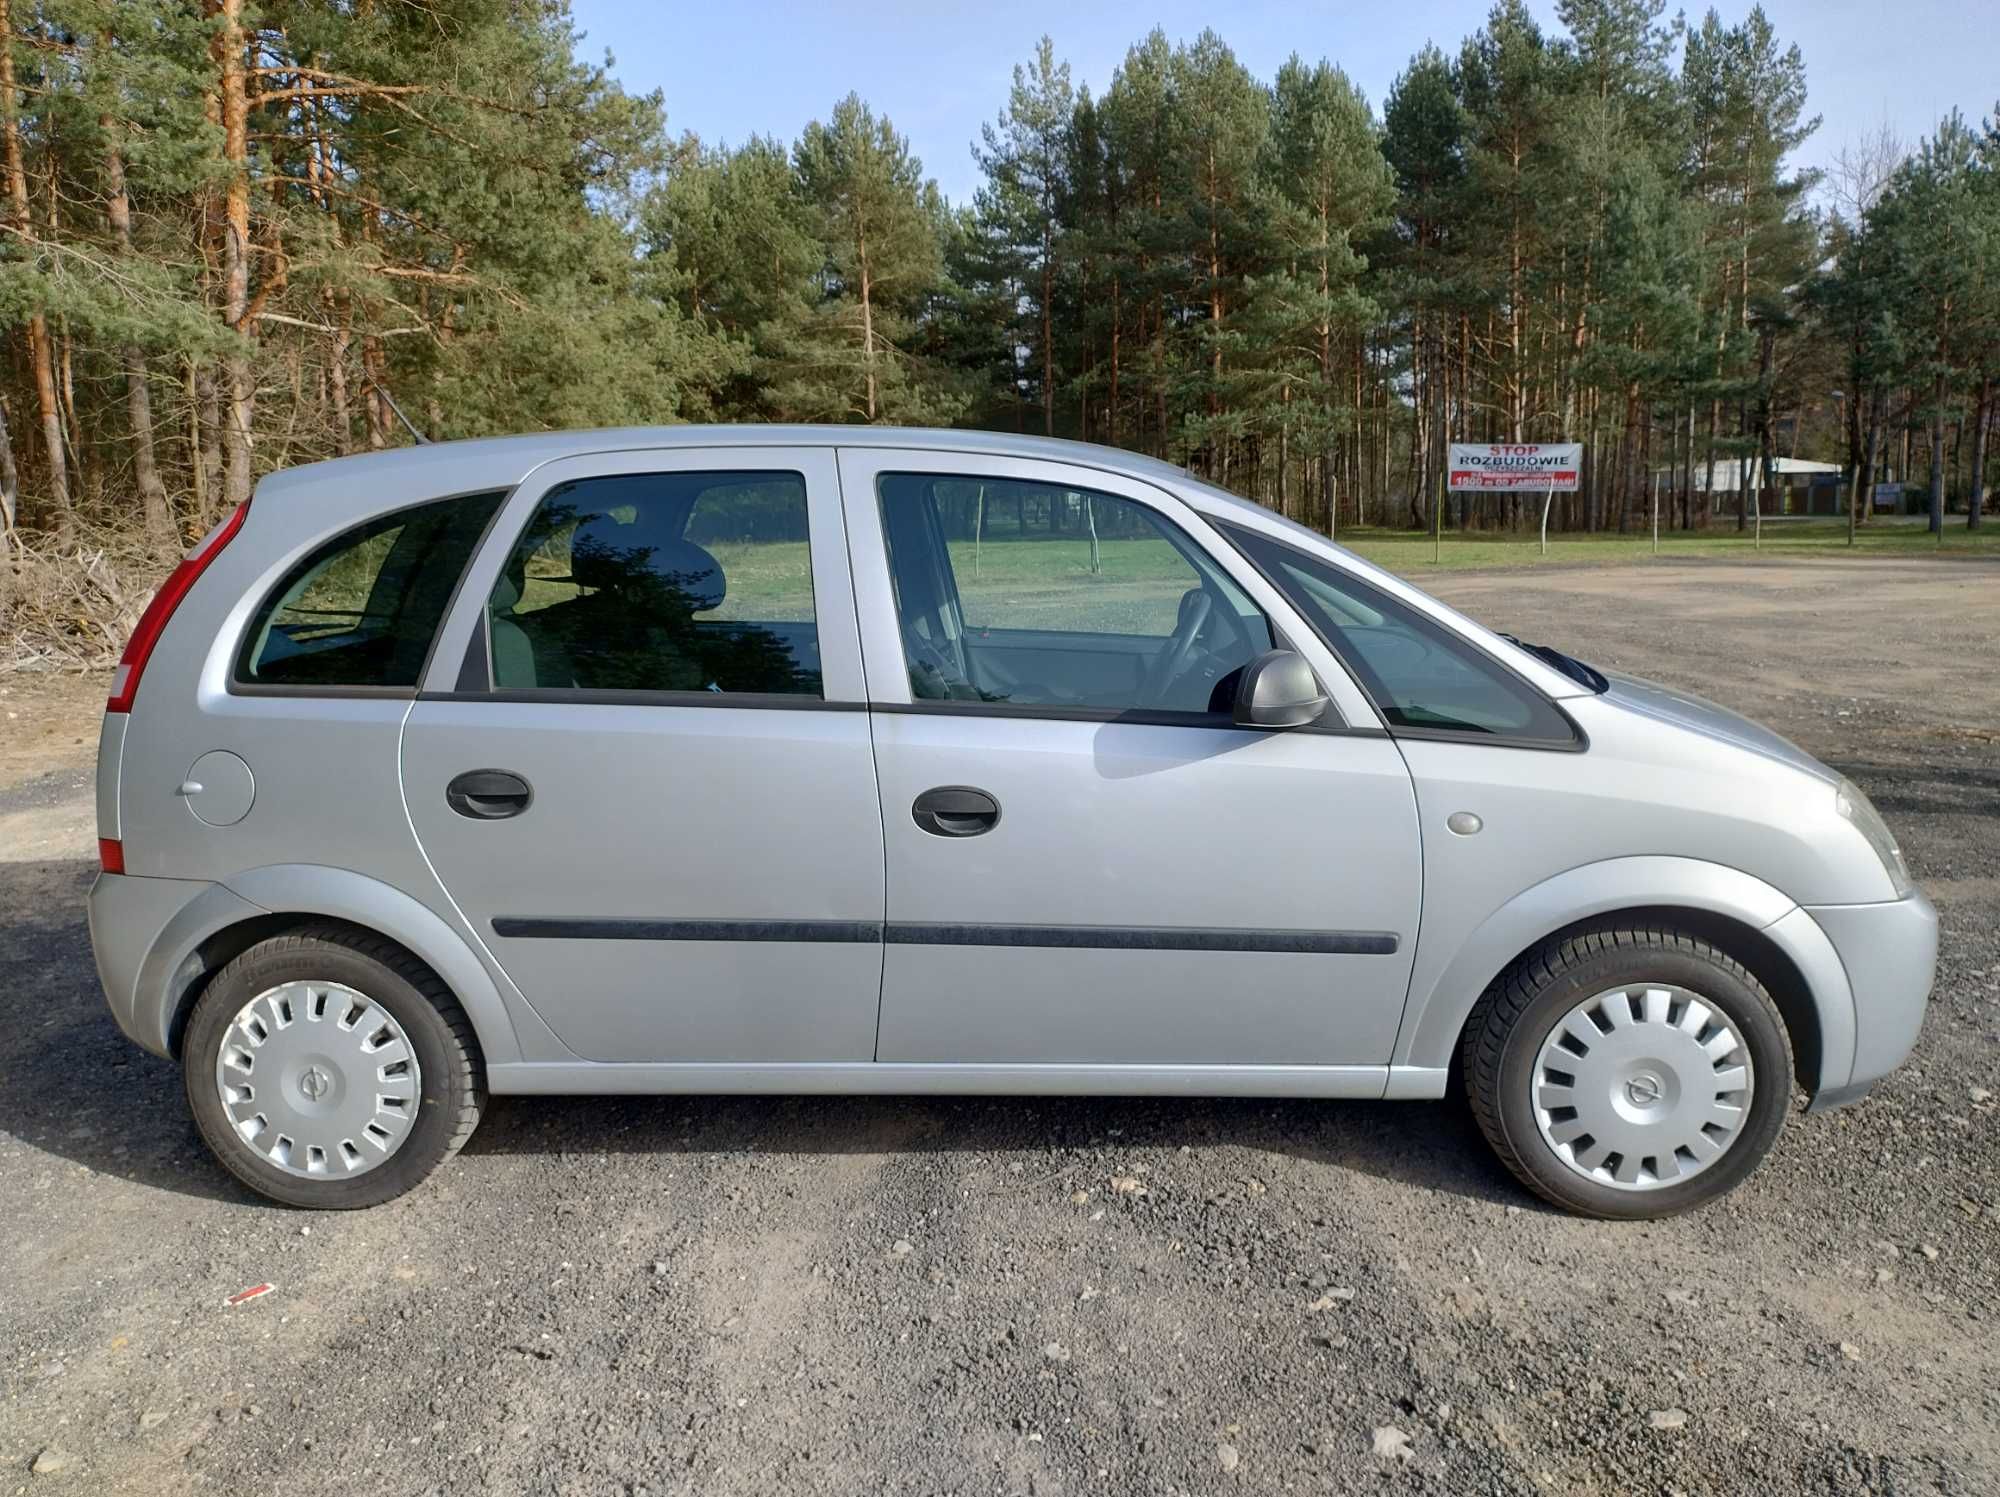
822, 760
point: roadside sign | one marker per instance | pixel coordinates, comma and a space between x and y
1515, 467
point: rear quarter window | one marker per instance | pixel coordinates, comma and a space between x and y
362, 609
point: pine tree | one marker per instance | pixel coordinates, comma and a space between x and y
1330, 189
1026, 157
877, 218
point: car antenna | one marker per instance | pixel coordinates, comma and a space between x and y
390, 401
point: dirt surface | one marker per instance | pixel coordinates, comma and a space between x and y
1015, 1296
48, 723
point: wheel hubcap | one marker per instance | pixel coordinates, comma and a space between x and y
1643, 1086
319, 1079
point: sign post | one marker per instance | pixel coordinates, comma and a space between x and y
1517, 467
1437, 528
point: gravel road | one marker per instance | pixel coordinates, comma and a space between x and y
1025, 1296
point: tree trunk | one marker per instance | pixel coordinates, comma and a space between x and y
1627, 456
10, 493
1937, 455
1048, 338
227, 49
40, 353
336, 377
209, 395
1873, 450
377, 404
1111, 410
1975, 504
867, 321
1767, 456
138, 399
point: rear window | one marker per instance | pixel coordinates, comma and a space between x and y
363, 608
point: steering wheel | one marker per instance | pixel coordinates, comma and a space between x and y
1196, 606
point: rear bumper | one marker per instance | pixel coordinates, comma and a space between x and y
141, 936
1890, 953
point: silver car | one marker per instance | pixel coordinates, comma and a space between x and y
819, 760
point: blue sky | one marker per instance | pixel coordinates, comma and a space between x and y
940, 70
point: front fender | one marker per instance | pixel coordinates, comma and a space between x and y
1444, 986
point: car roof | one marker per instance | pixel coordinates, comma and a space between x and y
491, 462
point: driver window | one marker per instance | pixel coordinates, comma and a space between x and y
1039, 595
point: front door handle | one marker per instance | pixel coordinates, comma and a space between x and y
488, 794
956, 811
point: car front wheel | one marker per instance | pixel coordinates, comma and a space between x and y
1628, 1073
328, 1068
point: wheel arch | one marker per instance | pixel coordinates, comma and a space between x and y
227, 920
1735, 912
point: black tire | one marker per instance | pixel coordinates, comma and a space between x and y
1506, 1030
453, 1084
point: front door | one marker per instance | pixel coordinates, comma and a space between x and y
1088, 863
649, 786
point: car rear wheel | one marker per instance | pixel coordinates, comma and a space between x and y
328, 1068
1628, 1073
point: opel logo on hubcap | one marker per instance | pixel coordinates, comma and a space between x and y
314, 1083
1643, 1091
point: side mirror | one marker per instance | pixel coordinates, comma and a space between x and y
1278, 690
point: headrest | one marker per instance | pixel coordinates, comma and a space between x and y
645, 553
693, 572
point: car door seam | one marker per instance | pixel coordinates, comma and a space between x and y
874, 758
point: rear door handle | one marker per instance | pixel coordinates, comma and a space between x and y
488, 794
956, 811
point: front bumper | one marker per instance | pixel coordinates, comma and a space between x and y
1890, 953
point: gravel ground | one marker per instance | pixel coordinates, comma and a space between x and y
827, 1295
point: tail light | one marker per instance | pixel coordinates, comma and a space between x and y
153, 622
110, 854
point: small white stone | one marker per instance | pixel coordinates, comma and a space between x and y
1391, 1444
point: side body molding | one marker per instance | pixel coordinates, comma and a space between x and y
1445, 985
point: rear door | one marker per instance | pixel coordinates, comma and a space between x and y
1089, 864
642, 766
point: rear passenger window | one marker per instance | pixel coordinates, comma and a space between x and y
661, 582
363, 608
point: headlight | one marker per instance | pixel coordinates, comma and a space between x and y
1857, 808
